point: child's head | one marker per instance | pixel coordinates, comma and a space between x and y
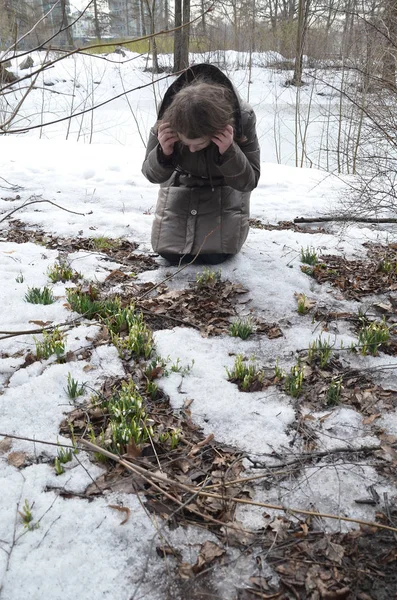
200, 110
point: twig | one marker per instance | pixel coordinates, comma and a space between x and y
14, 187
35, 441
38, 202
163, 479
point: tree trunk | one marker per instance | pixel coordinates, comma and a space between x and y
65, 25
303, 19
185, 35
97, 27
297, 78
178, 36
389, 58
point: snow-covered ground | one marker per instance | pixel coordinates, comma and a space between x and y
79, 548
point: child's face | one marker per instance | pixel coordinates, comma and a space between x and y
196, 144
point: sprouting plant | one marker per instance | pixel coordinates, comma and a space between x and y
98, 441
244, 373
27, 516
74, 388
62, 272
139, 340
279, 373
65, 455
334, 391
84, 303
39, 296
20, 278
151, 389
58, 466
303, 306
155, 368
208, 277
372, 336
53, 343
119, 317
387, 266
293, 381
178, 367
308, 256
241, 328
103, 243
173, 436
127, 417
73, 438
321, 350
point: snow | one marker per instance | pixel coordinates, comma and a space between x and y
80, 548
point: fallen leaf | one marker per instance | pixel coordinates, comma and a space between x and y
87, 368
132, 450
41, 323
123, 509
17, 459
185, 571
208, 553
371, 419
305, 302
5, 445
335, 552
280, 527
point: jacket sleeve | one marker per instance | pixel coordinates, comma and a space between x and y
157, 167
240, 164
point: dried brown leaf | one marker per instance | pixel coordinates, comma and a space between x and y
208, 553
371, 419
123, 509
5, 445
17, 459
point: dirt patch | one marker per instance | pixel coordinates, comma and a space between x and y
117, 250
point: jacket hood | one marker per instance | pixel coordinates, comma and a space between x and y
209, 74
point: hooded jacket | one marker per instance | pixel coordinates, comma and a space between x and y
203, 202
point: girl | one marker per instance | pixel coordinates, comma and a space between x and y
204, 153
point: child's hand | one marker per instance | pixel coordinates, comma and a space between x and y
167, 138
224, 139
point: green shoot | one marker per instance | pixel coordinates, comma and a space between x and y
39, 296
208, 277
53, 343
308, 256
320, 350
241, 328
74, 388
372, 336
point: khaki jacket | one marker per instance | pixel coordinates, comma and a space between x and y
203, 202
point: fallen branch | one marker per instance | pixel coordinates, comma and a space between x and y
38, 202
163, 479
306, 456
342, 219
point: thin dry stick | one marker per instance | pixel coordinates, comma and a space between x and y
38, 202
166, 480
180, 269
342, 219
9, 334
